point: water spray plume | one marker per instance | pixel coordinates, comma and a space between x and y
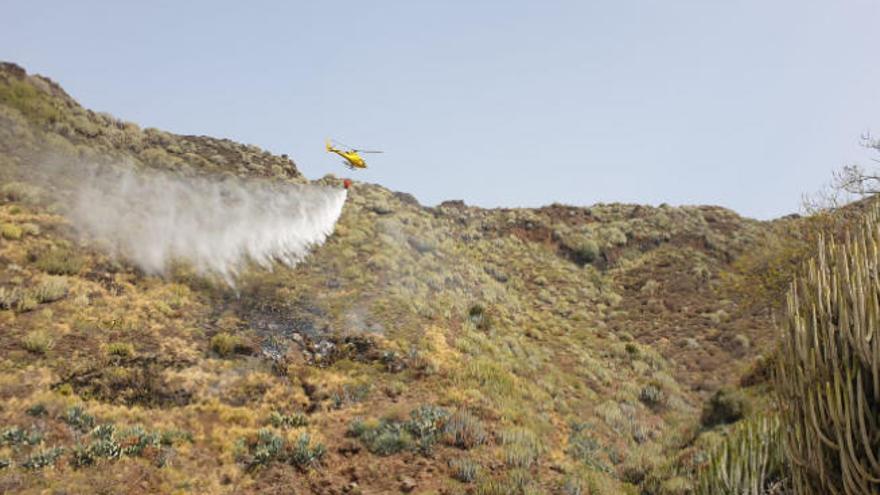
155, 219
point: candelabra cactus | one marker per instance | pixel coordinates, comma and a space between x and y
828, 375
748, 462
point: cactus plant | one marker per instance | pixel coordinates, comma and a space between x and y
748, 462
828, 375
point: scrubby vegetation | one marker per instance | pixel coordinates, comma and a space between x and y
266, 447
426, 426
823, 437
427, 350
83, 442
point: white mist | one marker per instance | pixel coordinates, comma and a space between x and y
155, 218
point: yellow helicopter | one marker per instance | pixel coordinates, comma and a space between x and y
352, 156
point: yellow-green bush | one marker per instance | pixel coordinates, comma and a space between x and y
224, 344
50, 289
521, 447
30, 229
38, 341
9, 297
59, 261
20, 191
465, 431
119, 349
726, 405
27, 301
10, 231
28, 100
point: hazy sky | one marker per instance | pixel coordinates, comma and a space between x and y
745, 104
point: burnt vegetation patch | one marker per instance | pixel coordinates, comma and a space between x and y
129, 381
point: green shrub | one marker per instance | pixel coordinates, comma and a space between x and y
50, 289
521, 447
615, 236
382, 438
268, 447
519, 456
18, 436
119, 349
37, 410
136, 439
421, 432
573, 485
464, 470
652, 396
19, 191
34, 104
27, 301
515, 482
175, 436
38, 341
586, 252
30, 229
79, 419
43, 458
426, 424
725, 406
104, 431
679, 485
304, 455
350, 394
59, 261
9, 297
285, 421
104, 445
583, 447
492, 378
761, 275
465, 431
10, 231
108, 442
82, 456
481, 319
225, 344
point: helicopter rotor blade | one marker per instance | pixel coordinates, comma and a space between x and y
352, 148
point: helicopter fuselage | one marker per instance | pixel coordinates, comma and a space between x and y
353, 159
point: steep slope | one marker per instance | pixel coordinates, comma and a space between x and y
427, 350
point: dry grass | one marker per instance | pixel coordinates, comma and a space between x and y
38, 341
518, 323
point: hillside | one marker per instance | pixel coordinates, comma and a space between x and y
447, 349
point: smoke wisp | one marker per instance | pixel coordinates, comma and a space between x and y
156, 218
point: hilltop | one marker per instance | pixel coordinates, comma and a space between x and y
448, 349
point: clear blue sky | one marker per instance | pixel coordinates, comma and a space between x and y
745, 104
